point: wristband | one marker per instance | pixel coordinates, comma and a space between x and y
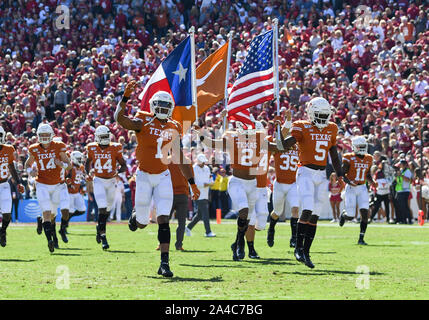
125, 99
287, 124
191, 181
64, 165
29, 170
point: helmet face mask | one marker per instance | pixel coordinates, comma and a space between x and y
76, 158
162, 109
360, 146
45, 134
162, 105
102, 135
319, 112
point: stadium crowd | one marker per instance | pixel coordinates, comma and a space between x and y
371, 63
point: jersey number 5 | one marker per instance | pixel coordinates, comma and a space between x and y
320, 152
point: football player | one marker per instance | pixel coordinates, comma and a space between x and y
357, 171
74, 180
157, 137
50, 158
104, 155
7, 169
316, 137
258, 217
245, 147
64, 207
284, 188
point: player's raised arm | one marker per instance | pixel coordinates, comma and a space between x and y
274, 146
120, 117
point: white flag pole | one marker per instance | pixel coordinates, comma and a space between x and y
228, 61
193, 72
276, 69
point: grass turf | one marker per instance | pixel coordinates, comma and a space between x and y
396, 259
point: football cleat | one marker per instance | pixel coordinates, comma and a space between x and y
270, 237
292, 242
98, 237
56, 243
51, 246
3, 238
362, 242
299, 254
63, 235
132, 222
253, 254
234, 252
307, 260
105, 244
240, 251
342, 219
39, 225
164, 270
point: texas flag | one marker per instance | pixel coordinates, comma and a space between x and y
173, 76
210, 83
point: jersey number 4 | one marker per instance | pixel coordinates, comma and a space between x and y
107, 166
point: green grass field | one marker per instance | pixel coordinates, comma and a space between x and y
397, 259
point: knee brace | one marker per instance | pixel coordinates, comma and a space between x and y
305, 215
164, 234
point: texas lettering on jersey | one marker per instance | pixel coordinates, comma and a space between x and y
358, 167
47, 171
6, 158
155, 142
313, 143
104, 159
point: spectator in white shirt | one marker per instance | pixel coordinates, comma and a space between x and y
203, 180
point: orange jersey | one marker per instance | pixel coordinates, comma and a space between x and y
246, 150
359, 167
154, 142
47, 171
77, 176
286, 164
314, 144
104, 159
261, 178
6, 158
180, 184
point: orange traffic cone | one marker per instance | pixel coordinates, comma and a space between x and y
218, 216
421, 218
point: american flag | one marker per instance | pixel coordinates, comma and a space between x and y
255, 81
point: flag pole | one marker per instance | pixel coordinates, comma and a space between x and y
276, 69
193, 72
228, 61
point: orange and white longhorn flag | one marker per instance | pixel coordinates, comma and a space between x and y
210, 83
